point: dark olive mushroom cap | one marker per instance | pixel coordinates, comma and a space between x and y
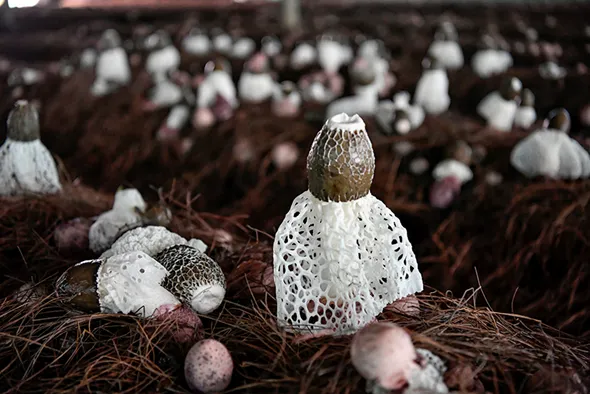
460, 151
23, 122
528, 98
430, 63
78, 286
188, 269
288, 87
341, 162
510, 88
218, 64
363, 76
558, 119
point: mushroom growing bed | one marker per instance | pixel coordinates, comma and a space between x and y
504, 263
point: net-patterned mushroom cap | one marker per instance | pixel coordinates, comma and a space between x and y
341, 162
23, 122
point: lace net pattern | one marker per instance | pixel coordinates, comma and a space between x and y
337, 265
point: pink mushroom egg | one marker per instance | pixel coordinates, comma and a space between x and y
208, 367
285, 155
72, 235
406, 306
383, 354
185, 323
444, 192
203, 118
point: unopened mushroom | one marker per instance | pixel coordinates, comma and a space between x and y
163, 58
72, 235
208, 367
217, 82
489, 59
126, 283
186, 325
302, 56
551, 70
196, 43
271, 46
112, 65
286, 100
499, 107
129, 211
243, 48
452, 167
340, 255
384, 355
445, 47
151, 240
222, 42
26, 166
526, 114
432, 90
194, 278
551, 152
256, 84
284, 155
444, 191
398, 116
365, 99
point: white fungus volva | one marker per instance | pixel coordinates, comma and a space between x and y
432, 90
150, 240
526, 114
126, 283
551, 152
256, 84
398, 116
499, 107
208, 367
26, 166
112, 65
340, 255
445, 47
193, 277
489, 59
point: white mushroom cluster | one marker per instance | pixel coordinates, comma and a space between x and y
340, 255
399, 116
26, 166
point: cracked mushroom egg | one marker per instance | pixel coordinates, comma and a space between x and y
126, 283
340, 255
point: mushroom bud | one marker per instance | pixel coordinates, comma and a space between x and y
383, 354
208, 367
